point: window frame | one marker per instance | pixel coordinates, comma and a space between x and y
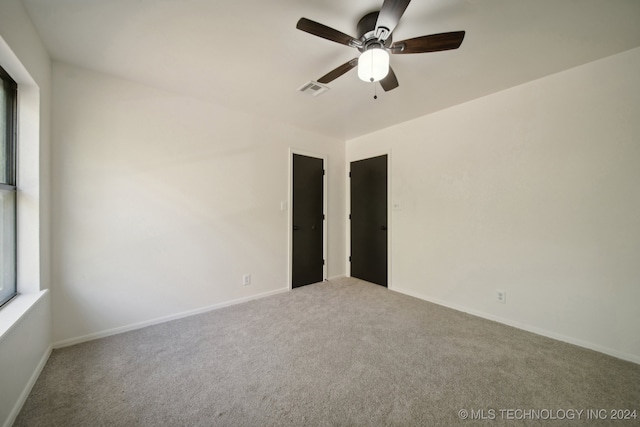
10, 88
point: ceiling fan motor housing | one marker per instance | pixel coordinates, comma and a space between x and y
367, 33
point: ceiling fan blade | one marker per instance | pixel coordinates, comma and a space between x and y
325, 32
390, 81
334, 74
432, 43
389, 16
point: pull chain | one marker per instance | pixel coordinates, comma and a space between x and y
375, 86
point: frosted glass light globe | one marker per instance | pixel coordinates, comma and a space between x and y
373, 65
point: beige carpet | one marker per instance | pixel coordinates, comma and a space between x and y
331, 354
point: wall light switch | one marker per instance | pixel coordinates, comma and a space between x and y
501, 296
283, 206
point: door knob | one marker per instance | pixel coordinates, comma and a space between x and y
383, 227
295, 227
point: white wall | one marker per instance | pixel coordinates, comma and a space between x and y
25, 329
533, 190
162, 202
24, 350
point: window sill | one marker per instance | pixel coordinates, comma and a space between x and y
16, 309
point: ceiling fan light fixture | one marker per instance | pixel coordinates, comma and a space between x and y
373, 65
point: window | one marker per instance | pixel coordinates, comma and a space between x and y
8, 108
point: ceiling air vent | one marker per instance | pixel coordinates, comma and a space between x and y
313, 88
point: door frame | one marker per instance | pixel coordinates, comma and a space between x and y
325, 225
357, 158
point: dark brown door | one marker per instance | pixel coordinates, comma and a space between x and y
308, 220
369, 220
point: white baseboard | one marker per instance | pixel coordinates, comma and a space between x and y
140, 325
336, 277
539, 331
27, 389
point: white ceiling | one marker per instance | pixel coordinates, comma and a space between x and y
248, 55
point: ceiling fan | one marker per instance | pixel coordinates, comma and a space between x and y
375, 43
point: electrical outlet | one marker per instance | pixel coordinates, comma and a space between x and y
246, 279
501, 296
